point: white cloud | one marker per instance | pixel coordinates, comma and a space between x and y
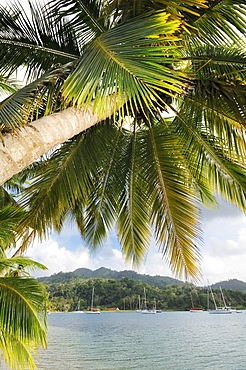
58, 258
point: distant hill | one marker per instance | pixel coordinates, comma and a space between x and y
105, 273
232, 284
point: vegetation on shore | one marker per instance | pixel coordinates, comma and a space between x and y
124, 294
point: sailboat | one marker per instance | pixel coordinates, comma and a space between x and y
155, 309
139, 305
218, 310
93, 310
194, 309
79, 309
146, 310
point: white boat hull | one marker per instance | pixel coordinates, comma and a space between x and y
93, 312
223, 312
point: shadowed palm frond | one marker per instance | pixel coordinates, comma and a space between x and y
222, 22
174, 201
10, 216
36, 99
45, 43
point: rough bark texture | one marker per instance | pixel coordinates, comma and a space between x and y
36, 139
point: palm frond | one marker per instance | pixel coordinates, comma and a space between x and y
223, 21
127, 65
72, 179
22, 317
10, 216
174, 201
88, 17
212, 161
8, 85
41, 97
46, 43
18, 264
133, 222
18, 355
102, 206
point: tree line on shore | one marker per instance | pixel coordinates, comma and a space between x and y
126, 294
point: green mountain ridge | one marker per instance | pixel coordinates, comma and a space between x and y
232, 284
156, 281
105, 273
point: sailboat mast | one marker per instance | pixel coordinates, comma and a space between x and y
223, 298
92, 298
145, 302
213, 298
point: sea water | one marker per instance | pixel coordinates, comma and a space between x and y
164, 341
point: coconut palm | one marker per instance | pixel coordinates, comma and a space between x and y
101, 76
22, 300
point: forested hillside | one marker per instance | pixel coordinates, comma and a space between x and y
105, 273
233, 284
124, 293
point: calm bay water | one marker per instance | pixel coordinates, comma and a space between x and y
166, 341
124, 341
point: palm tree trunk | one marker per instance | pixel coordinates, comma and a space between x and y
35, 139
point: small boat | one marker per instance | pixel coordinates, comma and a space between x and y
79, 309
196, 309
155, 309
93, 310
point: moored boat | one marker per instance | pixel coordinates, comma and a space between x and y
196, 309
93, 310
219, 310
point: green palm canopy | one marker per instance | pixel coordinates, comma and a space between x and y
175, 75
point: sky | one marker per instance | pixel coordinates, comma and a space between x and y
223, 250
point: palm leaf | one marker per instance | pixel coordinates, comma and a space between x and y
23, 300
125, 66
18, 355
174, 212
10, 216
20, 263
86, 17
102, 205
46, 43
133, 222
222, 21
38, 98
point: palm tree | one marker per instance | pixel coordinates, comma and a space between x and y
23, 300
101, 74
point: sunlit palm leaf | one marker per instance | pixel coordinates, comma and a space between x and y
22, 300
16, 263
18, 355
125, 66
